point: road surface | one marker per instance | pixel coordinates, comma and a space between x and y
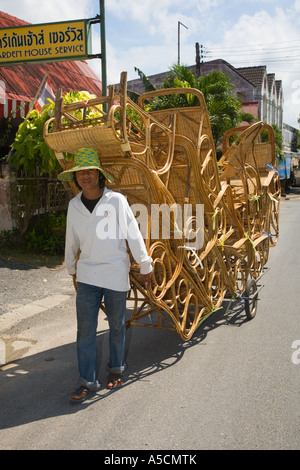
235, 385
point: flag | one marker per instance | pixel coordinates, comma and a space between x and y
46, 93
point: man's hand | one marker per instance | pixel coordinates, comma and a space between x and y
74, 281
147, 279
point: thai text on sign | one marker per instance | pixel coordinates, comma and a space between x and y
45, 42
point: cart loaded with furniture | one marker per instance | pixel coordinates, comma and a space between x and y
208, 225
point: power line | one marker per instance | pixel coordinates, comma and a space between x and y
251, 51
265, 59
259, 59
277, 53
254, 52
263, 45
256, 55
267, 51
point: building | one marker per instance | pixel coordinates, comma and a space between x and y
292, 154
267, 92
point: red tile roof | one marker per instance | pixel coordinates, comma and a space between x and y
8, 20
22, 81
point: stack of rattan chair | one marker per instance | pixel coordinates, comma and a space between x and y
223, 214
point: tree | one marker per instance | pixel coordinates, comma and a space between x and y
147, 84
278, 142
32, 155
30, 151
296, 140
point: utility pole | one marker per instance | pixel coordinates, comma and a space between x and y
199, 58
179, 23
103, 48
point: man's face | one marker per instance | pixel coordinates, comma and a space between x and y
88, 179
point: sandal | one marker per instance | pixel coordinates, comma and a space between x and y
81, 394
114, 382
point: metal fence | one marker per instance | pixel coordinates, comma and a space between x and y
33, 197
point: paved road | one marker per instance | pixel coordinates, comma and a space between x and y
235, 385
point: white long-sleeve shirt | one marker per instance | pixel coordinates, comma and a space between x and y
101, 237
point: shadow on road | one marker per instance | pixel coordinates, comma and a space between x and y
4, 263
37, 387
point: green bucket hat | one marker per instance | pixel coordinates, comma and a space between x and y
84, 159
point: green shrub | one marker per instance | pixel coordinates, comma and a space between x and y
48, 234
9, 238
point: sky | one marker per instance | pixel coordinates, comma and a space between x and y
144, 34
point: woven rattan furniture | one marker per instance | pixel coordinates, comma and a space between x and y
168, 157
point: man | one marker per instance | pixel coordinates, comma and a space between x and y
99, 222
